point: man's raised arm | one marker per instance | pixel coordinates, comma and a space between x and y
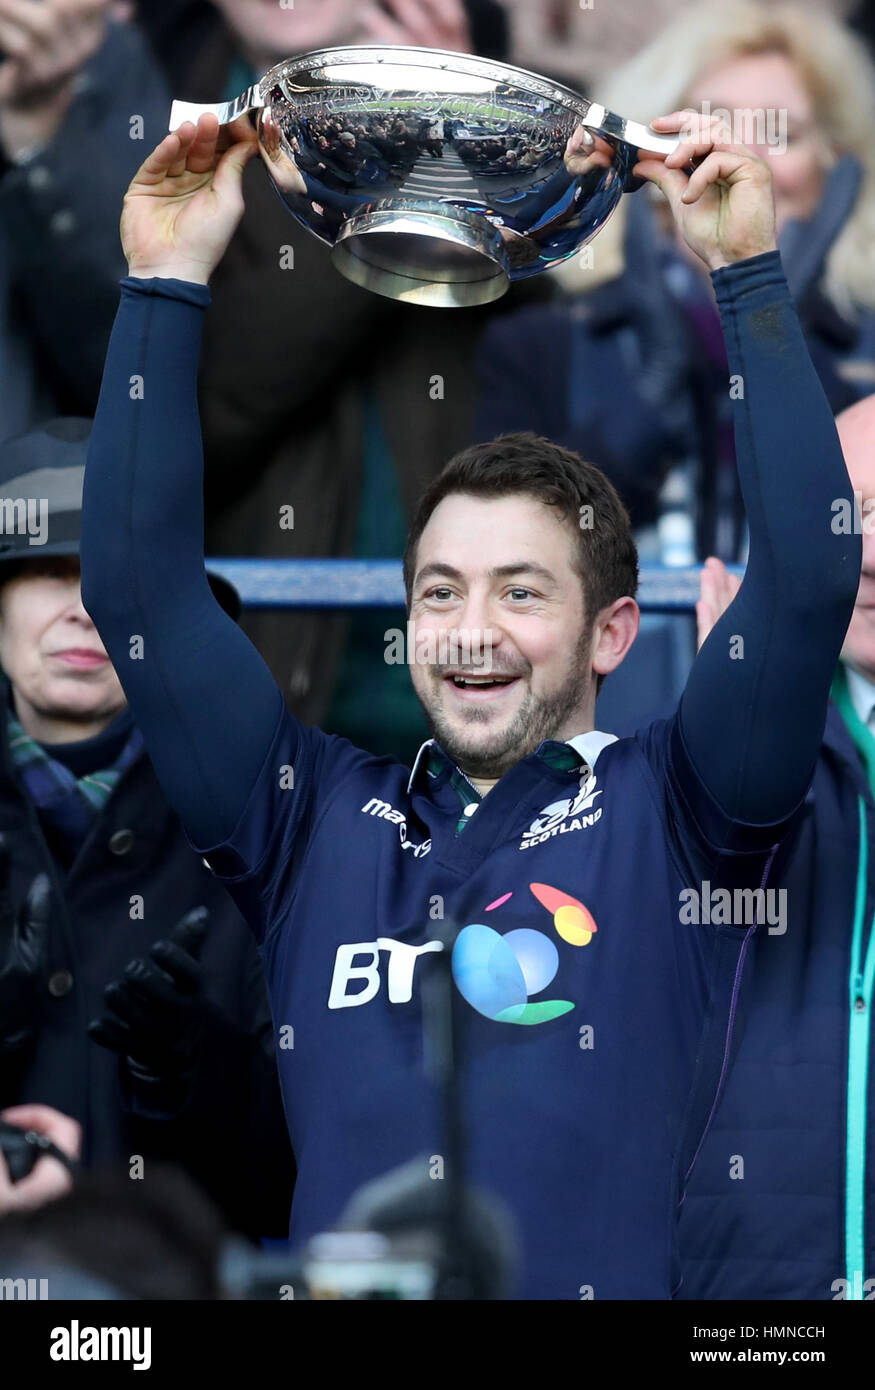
753, 712
206, 703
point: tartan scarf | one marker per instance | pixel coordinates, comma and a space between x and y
68, 803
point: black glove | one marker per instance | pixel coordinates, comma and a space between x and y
23, 1149
158, 1005
23, 967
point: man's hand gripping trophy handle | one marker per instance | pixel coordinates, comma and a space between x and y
186, 200
725, 207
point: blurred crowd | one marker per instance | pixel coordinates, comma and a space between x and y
315, 394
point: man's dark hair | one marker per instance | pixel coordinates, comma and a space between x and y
607, 559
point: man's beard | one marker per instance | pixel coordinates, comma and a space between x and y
540, 717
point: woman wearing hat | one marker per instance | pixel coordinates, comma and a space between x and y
131, 996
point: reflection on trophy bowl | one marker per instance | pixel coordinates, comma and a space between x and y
435, 177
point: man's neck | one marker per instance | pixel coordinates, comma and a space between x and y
482, 784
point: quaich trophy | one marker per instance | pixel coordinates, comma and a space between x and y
435, 177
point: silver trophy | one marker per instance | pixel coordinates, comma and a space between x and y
435, 177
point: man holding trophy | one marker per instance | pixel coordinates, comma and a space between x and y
597, 1019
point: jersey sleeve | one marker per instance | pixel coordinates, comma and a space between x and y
246, 779
742, 748
206, 703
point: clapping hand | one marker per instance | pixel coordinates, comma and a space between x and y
156, 1011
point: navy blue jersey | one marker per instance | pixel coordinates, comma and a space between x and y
596, 1016
586, 996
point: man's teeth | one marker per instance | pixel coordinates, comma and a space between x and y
481, 680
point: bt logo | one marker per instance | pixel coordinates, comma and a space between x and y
496, 974
402, 959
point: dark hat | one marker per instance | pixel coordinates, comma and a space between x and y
48, 464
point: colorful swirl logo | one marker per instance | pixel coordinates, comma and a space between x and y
496, 974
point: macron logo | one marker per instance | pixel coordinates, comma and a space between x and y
75, 1343
384, 811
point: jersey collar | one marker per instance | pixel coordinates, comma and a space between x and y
431, 760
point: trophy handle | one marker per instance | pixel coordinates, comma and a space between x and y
632, 134
227, 111
600, 121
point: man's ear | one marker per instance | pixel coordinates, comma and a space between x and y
614, 631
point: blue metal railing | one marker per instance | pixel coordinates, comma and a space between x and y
378, 584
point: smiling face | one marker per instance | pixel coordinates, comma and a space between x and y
64, 685
771, 83
498, 575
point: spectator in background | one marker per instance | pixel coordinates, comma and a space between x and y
179, 27
782, 1197
435, 138
581, 41
78, 96
329, 405
629, 369
106, 914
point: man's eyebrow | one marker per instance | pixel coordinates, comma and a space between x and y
523, 567
436, 570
